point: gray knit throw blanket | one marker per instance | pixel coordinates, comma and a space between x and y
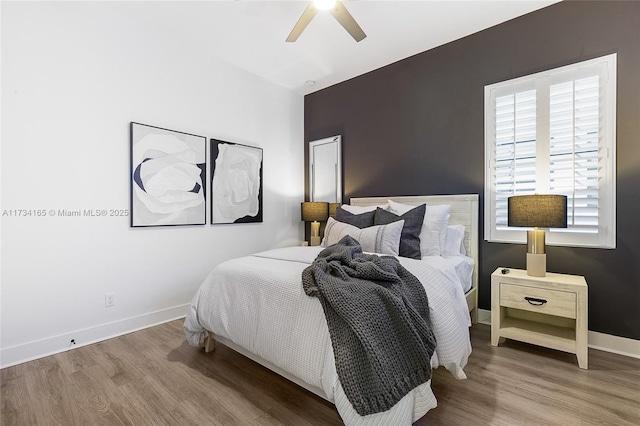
379, 323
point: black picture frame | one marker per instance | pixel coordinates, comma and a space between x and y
168, 177
236, 182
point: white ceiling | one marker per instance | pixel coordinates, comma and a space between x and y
251, 34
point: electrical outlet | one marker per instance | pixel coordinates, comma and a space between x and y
109, 300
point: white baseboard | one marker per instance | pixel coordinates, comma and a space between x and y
18, 354
600, 341
484, 316
615, 344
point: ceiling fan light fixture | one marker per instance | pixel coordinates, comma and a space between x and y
324, 4
339, 12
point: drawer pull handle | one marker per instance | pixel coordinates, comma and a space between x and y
535, 302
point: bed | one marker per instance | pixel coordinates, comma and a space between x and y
256, 306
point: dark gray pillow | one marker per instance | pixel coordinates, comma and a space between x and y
410, 238
363, 220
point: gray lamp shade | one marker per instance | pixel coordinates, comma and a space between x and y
333, 207
542, 211
314, 211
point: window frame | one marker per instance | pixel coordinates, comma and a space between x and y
542, 81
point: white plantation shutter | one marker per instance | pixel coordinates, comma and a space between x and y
574, 139
554, 132
515, 149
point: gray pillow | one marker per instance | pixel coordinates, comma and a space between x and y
383, 239
410, 238
363, 220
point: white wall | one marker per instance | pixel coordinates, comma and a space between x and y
74, 75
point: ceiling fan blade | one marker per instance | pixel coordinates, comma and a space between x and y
302, 23
346, 20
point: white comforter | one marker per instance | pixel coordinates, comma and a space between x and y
258, 303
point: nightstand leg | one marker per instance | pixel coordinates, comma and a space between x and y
496, 319
582, 329
497, 313
583, 359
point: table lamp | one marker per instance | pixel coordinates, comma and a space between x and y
315, 212
333, 207
537, 211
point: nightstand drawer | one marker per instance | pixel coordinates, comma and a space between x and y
541, 300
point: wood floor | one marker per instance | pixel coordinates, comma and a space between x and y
153, 377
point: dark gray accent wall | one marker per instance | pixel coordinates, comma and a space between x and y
416, 127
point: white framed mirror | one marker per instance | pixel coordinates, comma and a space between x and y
325, 169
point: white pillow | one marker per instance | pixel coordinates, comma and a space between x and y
383, 239
360, 210
434, 227
454, 241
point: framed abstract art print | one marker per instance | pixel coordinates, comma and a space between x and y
168, 176
236, 183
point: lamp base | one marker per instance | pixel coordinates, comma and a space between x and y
315, 241
536, 264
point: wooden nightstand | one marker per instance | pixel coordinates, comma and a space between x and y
548, 311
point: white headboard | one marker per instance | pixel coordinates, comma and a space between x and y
464, 211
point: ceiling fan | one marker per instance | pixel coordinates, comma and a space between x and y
337, 9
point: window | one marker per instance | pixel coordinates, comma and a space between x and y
554, 133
